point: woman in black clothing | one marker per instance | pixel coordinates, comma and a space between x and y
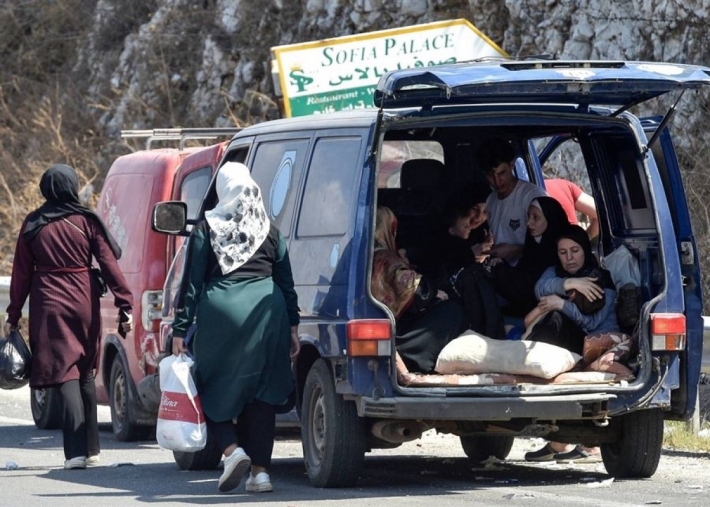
546, 220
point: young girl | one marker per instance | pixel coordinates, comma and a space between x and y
516, 284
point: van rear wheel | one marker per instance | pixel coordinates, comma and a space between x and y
333, 436
637, 451
480, 447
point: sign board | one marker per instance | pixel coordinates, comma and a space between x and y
341, 73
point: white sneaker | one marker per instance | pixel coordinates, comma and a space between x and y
93, 461
261, 483
78, 462
235, 466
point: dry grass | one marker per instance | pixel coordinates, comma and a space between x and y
678, 436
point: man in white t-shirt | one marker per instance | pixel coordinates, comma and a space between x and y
508, 205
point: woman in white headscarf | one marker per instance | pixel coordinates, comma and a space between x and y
238, 284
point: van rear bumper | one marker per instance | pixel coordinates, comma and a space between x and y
578, 406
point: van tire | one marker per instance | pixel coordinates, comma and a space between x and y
123, 424
333, 436
638, 450
46, 408
206, 459
479, 448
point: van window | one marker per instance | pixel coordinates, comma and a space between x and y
395, 153
277, 168
325, 209
193, 189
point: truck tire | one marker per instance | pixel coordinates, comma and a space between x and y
638, 450
46, 408
206, 459
480, 447
332, 434
123, 423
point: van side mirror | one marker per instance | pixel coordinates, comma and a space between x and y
170, 217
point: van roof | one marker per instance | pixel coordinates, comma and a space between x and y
151, 161
354, 118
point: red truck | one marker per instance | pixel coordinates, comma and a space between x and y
134, 183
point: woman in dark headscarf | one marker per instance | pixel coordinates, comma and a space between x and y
426, 320
574, 323
566, 323
239, 286
546, 219
52, 266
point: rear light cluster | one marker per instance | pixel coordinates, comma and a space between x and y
667, 331
369, 337
151, 306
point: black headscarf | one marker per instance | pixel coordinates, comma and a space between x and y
538, 256
591, 266
60, 187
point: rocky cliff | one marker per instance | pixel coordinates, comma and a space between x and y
78, 71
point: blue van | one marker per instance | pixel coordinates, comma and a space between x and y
323, 177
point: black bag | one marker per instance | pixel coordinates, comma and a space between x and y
15, 361
96, 272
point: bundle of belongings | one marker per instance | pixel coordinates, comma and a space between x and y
474, 359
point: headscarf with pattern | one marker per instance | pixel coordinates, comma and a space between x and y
238, 223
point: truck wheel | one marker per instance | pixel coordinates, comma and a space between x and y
124, 427
638, 450
46, 408
480, 447
333, 436
206, 459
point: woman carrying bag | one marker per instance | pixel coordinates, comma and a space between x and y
52, 266
239, 286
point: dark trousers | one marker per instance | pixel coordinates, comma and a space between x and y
80, 426
254, 432
556, 328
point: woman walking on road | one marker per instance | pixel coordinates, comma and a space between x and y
52, 266
238, 283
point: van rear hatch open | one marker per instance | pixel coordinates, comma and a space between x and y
585, 83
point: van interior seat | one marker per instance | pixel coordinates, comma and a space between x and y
418, 204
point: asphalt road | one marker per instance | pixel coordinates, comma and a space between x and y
432, 471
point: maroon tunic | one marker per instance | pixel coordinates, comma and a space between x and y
65, 319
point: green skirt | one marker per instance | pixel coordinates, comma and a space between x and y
242, 346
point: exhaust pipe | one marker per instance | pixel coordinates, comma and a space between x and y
398, 432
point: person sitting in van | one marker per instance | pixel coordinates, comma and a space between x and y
461, 276
573, 199
480, 239
516, 284
508, 205
576, 310
426, 320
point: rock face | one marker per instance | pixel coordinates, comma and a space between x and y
87, 69
207, 63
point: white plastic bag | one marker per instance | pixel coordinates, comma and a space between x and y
181, 422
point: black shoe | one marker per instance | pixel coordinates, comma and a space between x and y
577, 455
547, 453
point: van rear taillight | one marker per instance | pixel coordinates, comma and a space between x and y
369, 337
151, 306
667, 331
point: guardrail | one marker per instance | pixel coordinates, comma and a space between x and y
5, 300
